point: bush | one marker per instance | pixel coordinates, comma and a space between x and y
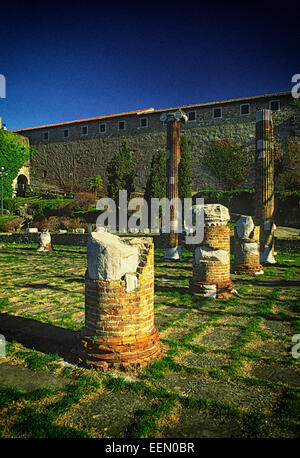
120, 172
12, 224
228, 162
185, 178
287, 168
14, 153
156, 184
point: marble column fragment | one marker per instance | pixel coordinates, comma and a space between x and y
246, 247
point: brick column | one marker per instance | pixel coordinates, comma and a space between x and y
246, 247
119, 315
211, 264
264, 184
173, 121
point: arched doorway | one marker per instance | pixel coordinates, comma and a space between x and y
22, 184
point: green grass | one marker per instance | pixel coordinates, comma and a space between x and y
50, 289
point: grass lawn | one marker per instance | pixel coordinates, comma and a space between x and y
227, 368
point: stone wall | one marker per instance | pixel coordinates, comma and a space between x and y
84, 156
160, 241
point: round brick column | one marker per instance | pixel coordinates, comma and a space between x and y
211, 263
119, 319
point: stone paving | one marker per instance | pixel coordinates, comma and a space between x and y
227, 368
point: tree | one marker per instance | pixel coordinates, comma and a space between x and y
156, 184
120, 172
96, 184
228, 162
185, 179
14, 153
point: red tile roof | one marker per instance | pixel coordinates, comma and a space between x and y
152, 110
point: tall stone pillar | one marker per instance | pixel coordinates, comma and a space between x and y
119, 327
264, 168
173, 121
211, 264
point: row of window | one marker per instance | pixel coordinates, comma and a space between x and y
274, 105
84, 130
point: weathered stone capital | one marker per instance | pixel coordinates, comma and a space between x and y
177, 115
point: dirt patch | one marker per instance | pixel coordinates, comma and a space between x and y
192, 423
276, 373
218, 338
108, 415
24, 379
245, 398
204, 361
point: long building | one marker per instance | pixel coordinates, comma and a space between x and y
69, 153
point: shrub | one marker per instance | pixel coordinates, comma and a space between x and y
185, 179
14, 153
84, 200
287, 168
13, 224
120, 172
228, 162
156, 184
96, 184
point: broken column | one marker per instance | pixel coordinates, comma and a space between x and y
173, 121
119, 303
211, 263
45, 241
246, 247
264, 184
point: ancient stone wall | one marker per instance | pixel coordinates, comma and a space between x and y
71, 161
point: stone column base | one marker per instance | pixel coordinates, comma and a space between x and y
247, 269
125, 353
222, 290
173, 253
47, 247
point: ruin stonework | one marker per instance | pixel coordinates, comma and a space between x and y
264, 184
69, 162
119, 312
211, 263
45, 242
246, 246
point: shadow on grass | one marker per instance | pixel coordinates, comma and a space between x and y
43, 337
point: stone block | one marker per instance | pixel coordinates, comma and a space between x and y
110, 258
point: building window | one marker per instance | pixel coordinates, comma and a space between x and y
143, 122
46, 135
84, 130
65, 133
217, 113
191, 116
121, 125
274, 105
102, 128
245, 109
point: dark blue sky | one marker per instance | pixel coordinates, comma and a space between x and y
72, 60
